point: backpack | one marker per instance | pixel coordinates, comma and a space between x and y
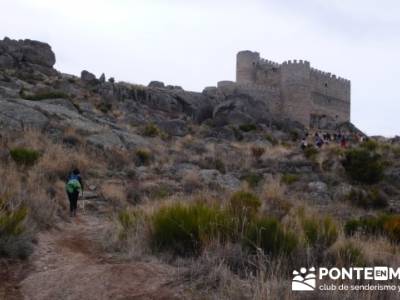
73, 184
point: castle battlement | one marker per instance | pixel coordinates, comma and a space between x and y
306, 94
329, 76
296, 62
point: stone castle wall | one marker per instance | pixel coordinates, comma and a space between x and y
306, 94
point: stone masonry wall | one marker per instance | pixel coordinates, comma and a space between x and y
304, 92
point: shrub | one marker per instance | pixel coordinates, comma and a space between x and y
370, 145
253, 179
143, 156
237, 133
244, 205
267, 234
185, 229
220, 166
373, 198
363, 166
13, 241
257, 152
43, 95
392, 228
126, 220
247, 127
351, 227
310, 152
289, 178
320, 233
151, 130
396, 151
104, 107
350, 255
271, 139
369, 225
24, 156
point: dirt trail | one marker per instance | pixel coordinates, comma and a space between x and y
69, 264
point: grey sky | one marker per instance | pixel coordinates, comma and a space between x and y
194, 43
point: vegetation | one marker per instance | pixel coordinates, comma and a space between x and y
319, 232
43, 95
372, 198
310, 152
244, 205
253, 179
13, 241
24, 156
248, 127
363, 166
257, 152
151, 130
186, 229
289, 178
143, 156
267, 234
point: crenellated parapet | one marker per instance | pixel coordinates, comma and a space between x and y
328, 76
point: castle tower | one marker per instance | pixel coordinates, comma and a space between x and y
296, 91
246, 66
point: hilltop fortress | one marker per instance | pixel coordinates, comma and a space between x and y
293, 90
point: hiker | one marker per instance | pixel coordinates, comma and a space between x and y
74, 186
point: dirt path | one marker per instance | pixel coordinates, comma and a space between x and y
69, 264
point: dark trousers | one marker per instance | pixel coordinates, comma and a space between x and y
73, 200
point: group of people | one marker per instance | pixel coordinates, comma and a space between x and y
321, 139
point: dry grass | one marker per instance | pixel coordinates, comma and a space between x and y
57, 161
115, 194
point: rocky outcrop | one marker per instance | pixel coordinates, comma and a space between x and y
27, 54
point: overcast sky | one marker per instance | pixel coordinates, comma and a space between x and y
194, 43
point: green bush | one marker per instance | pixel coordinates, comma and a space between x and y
151, 130
43, 95
126, 220
220, 166
268, 234
143, 157
351, 227
370, 145
369, 225
253, 179
237, 133
244, 205
13, 239
372, 198
24, 156
104, 107
396, 151
248, 127
271, 139
350, 255
257, 152
184, 230
319, 233
289, 178
310, 152
363, 166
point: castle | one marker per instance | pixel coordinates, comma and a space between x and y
296, 91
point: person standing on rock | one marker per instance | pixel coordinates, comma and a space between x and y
73, 187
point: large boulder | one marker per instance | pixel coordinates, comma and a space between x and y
16, 116
25, 52
240, 109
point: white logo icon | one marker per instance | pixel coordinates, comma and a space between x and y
304, 280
